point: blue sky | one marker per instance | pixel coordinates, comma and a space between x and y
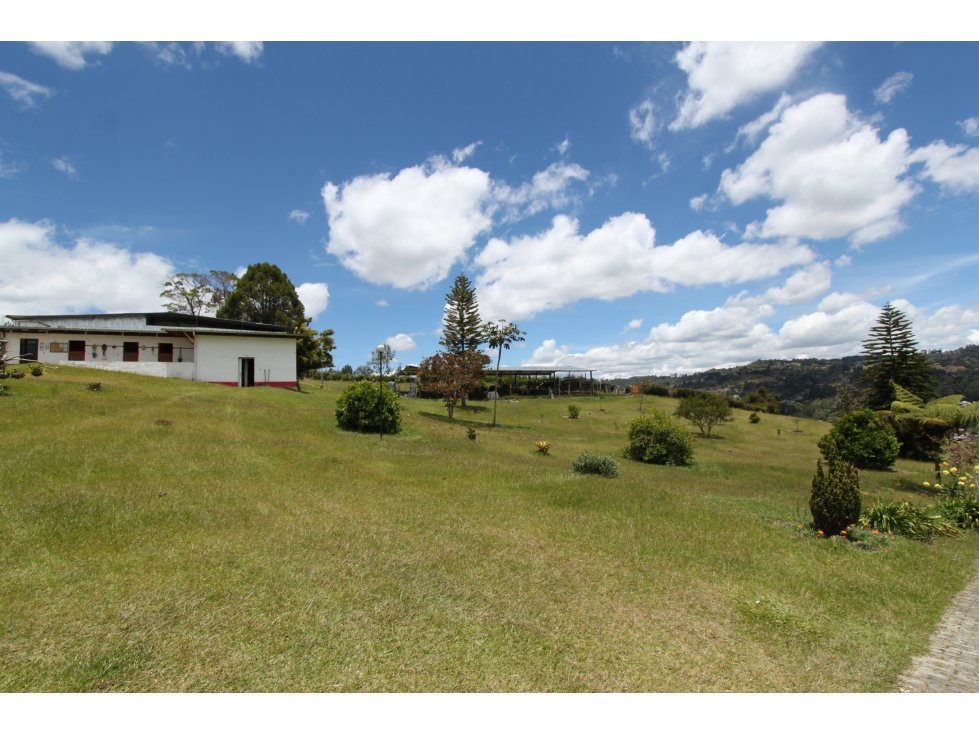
635, 207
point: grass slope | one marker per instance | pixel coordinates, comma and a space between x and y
170, 536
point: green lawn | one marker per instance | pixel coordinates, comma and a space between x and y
170, 536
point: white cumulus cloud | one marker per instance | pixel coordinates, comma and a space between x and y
24, 93
723, 76
65, 166
831, 172
247, 51
41, 275
462, 153
72, 54
953, 167
410, 229
400, 342
555, 187
314, 297
556, 267
642, 123
892, 86
970, 126
299, 215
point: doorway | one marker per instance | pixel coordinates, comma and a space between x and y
246, 372
28, 350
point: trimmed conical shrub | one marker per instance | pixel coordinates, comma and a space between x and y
835, 498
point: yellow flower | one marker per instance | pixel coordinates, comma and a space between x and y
927, 484
954, 470
945, 472
944, 463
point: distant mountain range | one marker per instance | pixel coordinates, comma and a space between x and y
806, 381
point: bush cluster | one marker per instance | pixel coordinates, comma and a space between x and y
656, 438
595, 464
862, 439
573, 412
835, 498
359, 409
753, 418
906, 518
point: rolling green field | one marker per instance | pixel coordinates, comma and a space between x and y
170, 536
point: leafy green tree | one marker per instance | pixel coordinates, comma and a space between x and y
313, 349
190, 293
265, 295
500, 336
462, 329
705, 410
656, 438
861, 438
195, 293
222, 285
763, 400
891, 355
363, 407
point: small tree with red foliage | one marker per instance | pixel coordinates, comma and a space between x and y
452, 375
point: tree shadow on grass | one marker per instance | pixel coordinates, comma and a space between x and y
463, 422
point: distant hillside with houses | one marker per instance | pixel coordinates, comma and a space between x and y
808, 386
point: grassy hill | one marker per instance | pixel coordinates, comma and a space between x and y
812, 382
169, 536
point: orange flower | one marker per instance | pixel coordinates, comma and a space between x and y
875, 532
821, 532
843, 532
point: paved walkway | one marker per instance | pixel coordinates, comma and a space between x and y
952, 663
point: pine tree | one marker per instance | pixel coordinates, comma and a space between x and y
462, 329
891, 355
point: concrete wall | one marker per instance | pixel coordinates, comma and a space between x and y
215, 358
275, 359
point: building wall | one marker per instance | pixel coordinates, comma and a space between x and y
275, 359
215, 358
105, 352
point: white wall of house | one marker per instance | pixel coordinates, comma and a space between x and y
218, 359
214, 358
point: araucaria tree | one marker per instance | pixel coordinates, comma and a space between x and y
452, 375
501, 335
462, 329
891, 355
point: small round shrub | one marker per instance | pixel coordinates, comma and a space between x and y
573, 412
753, 418
862, 439
36, 369
835, 498
596, 464
656, 438
358, 409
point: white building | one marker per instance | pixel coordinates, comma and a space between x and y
199, 348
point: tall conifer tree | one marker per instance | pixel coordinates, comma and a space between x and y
891, 354
462, 329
